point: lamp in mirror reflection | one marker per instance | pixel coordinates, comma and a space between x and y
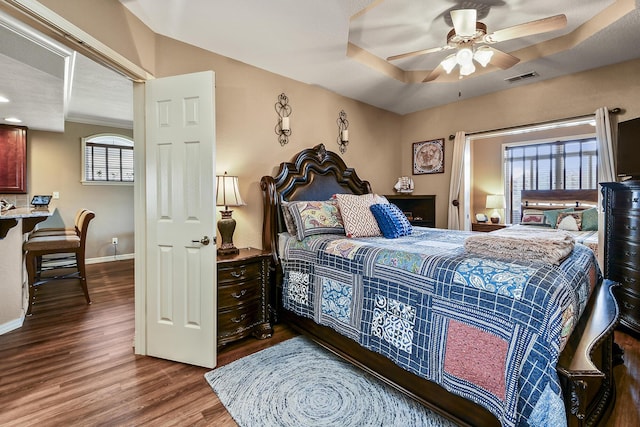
343, 131
283, 127
495, 202
227, 195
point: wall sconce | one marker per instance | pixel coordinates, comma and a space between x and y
283, 127
343, 131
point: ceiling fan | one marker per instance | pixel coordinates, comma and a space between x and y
470, 39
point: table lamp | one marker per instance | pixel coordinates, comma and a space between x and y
227, 194
495, 202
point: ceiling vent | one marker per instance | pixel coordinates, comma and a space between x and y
525, 76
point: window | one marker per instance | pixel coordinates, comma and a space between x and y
564, 165
108, 158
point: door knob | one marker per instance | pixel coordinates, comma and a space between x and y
205, 241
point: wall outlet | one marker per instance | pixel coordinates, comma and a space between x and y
114, 240
56, 195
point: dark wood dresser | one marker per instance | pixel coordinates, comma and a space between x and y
486, 227
622, 247
421, 210
243, 281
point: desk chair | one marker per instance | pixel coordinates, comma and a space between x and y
37, 246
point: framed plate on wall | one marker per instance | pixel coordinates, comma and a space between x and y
428, 157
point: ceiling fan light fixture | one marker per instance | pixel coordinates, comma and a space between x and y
483, 55
467, 69
464, 56
464, 21
449, 63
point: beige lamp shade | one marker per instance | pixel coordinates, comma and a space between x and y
495, 202
227, 191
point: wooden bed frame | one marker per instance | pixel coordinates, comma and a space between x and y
585, 365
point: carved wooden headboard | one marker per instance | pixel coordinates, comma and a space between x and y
313, 174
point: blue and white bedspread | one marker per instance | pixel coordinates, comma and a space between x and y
489, 330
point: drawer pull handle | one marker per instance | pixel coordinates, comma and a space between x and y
628, 306
238, 319
634, 200
630, 280
236, 274
628, 227
629, 254
239, 294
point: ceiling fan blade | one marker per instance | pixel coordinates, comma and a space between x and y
464, 21
502, 59
437, 72
418, 53
527, 29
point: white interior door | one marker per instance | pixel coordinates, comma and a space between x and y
180, 200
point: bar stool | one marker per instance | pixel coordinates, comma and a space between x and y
37, 246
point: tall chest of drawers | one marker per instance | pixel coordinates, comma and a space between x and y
243, 296
622, 247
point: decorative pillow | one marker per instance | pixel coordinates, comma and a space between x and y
590, 219
392, 221
533, 217
570, 221
288, 218
316, 217
551, 216
357, 216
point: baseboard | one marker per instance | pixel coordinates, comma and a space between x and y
109, 258
12, 325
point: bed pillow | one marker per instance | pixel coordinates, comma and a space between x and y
570, 221
551, 216
392, 222
533, 217
288, 218
590, 219
357, 216
316, 217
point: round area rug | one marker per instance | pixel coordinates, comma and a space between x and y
298, 383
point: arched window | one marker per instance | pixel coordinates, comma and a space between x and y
107, 158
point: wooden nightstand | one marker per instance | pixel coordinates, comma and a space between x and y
243, 296
486, 226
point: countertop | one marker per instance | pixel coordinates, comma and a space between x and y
29, 216
24, 213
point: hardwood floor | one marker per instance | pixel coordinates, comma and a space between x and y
73, 364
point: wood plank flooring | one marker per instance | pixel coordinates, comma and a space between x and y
72, 364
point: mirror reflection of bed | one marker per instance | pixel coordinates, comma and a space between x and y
417, 312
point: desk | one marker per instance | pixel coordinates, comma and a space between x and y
14, 224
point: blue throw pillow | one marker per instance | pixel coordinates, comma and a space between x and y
392, 222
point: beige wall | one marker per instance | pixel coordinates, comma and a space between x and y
247, 145
569, 96
55, 165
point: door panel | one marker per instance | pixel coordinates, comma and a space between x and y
180, 176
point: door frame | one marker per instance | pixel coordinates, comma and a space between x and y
46, 21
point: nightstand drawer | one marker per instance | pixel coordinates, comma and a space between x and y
238, 272
240, 293
236, 321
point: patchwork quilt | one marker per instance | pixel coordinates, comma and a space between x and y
487, 329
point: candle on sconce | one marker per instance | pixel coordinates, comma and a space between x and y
285, 123
345, 135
